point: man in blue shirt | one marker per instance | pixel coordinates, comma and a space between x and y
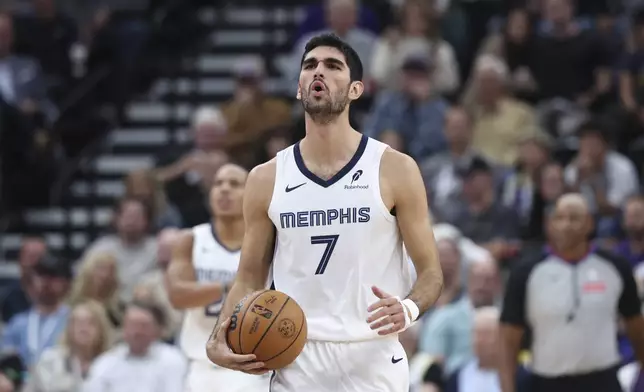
31, 332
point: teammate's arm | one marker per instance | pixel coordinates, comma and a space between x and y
403, 184
254, 264
183, 290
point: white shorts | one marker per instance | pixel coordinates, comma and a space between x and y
206, 377
369, 366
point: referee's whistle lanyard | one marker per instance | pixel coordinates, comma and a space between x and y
575, 293
39, 337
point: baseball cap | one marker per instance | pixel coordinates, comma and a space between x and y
52, 266
476, 166
418, 63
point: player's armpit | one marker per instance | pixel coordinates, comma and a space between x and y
635, 331
183, 290
403, 179
259, 237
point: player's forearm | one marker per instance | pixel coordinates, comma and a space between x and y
635, 332
427, 289
237, 292
186, 295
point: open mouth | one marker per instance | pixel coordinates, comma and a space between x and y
317, 86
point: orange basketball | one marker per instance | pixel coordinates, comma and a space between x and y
269, 324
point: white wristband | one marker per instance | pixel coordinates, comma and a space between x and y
412, 307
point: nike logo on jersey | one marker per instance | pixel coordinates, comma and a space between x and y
289, 189
395, 360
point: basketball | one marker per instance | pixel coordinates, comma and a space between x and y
269, 324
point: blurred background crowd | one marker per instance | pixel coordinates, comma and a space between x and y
115, 115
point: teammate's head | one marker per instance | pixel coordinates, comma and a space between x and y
330, 77
227, 192
570, 224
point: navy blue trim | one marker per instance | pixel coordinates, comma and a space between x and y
217, 240
270, 382
299, 161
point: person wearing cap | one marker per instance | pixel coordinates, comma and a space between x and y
31, 332
251, 113
410, 120
480, 216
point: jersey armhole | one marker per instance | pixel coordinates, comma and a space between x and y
280, 158
389, 214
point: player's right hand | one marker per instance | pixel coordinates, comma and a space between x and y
220, 354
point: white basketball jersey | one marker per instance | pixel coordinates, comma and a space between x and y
335, 240
212, 262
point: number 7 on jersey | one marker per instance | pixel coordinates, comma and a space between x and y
329, 241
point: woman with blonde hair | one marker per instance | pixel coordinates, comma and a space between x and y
63, 368
144, 185
97, 280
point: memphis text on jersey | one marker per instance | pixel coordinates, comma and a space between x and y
328, 217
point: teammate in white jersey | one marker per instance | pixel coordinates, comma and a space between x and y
203, 266
341, 205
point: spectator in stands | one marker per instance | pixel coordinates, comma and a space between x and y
513, 46
251, 113
341, 17
17, 297
132, 246
519, 187
187, 176
500, 121
24, 86
152, 286
632, 247
549, 187
314, 19
64, 367
605, 177
142, 362
631, 84
98, 280
417, 32
410, 120
469, 251
480, 372
31, 332
450, 259
569, 62
47, 35
480, 216
447, 335
144, 185
441, 171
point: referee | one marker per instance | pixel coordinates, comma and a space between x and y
569, 298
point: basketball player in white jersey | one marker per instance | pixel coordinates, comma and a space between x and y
204, 263
342, 205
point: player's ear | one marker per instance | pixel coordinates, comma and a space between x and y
299, 93
355, 90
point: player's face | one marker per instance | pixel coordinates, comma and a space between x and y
227, 191
325, 86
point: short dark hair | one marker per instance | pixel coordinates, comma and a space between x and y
152, 308
593, 128
350, 55
148, 210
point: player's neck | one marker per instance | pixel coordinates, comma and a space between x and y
329, 142
230, 232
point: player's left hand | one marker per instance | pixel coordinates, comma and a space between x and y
389, 312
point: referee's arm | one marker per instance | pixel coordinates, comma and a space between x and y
513, 323
630, 308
